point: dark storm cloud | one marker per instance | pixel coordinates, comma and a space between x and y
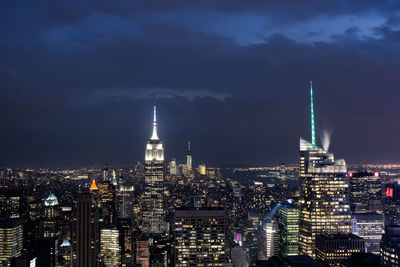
78, 79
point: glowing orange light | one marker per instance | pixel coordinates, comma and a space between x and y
376, 174
350, 174
93, 186
389, 192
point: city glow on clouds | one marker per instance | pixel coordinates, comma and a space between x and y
252, 29
123, 94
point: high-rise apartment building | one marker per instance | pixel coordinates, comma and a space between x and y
87, 231
200, 237
324, 201
11, 235
288, 222
153, 201
110, 248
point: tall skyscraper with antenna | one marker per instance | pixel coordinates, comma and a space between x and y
153, 201
189, 158
312, 116
324, 201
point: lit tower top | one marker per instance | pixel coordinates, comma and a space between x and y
154, 147
189, 158
154, 136
114, 179
312, 116
51, 200
93, 186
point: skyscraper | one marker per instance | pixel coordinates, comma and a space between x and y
126, 205
50, 226
87, 231
369, 226
10, 239
106, 202
153, 200
10, 205
189, 158
271, 237
47, 252
200, 237
288, 222
126, 230
390, 246
105, 173
365, 192
324, 202
110, 248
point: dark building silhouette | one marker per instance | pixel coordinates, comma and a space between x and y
87, 231
390, 246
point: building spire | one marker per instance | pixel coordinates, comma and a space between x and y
154, 136
189, 151
93, 186
312, 117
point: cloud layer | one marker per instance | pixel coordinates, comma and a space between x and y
78, 80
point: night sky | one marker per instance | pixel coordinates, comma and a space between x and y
78, 79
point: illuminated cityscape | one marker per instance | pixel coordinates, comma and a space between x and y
161, 134
159, 214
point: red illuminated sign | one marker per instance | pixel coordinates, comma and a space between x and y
389, 192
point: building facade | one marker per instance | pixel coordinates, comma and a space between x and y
331, 249
153, 210
390, 247
369, 226
271, 237
200, 237
11, 235
87, 231
324, 194
110, 248
288, 223
365, 192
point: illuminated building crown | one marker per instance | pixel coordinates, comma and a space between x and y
154, 147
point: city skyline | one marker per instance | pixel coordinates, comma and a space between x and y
78, 81
204, 133
323, 140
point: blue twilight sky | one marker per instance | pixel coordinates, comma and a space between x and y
78, 79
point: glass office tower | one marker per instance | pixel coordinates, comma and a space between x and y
324, 195
288, 222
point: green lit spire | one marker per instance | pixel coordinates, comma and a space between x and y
312, 117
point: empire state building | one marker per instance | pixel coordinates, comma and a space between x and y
153, 201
